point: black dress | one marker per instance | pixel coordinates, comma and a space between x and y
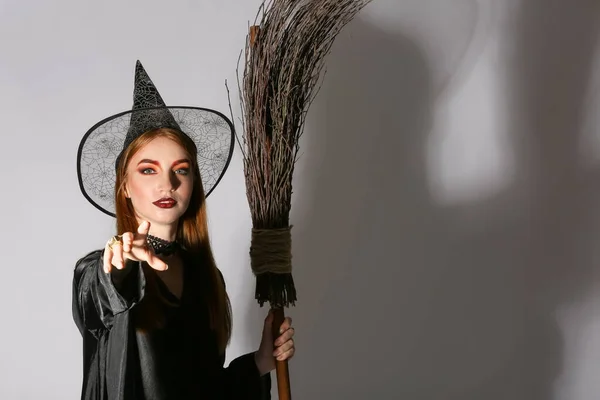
179, 361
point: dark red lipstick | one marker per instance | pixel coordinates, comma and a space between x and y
165, 202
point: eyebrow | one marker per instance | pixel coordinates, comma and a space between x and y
154, 162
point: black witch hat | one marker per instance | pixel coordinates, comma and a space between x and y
102, 145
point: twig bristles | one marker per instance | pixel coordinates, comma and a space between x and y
282, 68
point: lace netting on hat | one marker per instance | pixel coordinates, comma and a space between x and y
102, 145
98, 154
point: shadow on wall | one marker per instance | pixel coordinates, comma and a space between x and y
553, 46
402, 298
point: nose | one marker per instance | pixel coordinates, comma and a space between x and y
168, 182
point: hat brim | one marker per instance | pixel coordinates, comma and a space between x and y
211, 131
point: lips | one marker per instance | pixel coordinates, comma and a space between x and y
165, 202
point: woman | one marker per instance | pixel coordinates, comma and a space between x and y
152, 306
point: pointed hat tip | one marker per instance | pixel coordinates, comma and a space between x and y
145, 93
140, 72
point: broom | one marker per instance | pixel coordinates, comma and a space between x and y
284, 58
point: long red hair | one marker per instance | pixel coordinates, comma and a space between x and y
192, 233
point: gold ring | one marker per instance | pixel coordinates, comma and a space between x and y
114, 240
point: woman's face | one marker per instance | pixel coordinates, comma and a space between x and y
160, 182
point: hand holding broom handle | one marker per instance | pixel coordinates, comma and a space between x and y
281, 367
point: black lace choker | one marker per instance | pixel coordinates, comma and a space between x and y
161, 246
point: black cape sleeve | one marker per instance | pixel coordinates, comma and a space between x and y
243, 380
99, 305
99, 297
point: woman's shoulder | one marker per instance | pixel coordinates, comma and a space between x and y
91, 257
92, 254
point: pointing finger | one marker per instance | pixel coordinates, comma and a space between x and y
107, 258
117, 260
105, 261
127, 242
144, 228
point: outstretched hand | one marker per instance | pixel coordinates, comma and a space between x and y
272, 350
132, 247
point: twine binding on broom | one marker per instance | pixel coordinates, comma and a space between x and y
271, 263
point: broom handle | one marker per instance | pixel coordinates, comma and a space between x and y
281, 367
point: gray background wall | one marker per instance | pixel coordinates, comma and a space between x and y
445, 210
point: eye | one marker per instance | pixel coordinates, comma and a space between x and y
147, 171
182, 171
